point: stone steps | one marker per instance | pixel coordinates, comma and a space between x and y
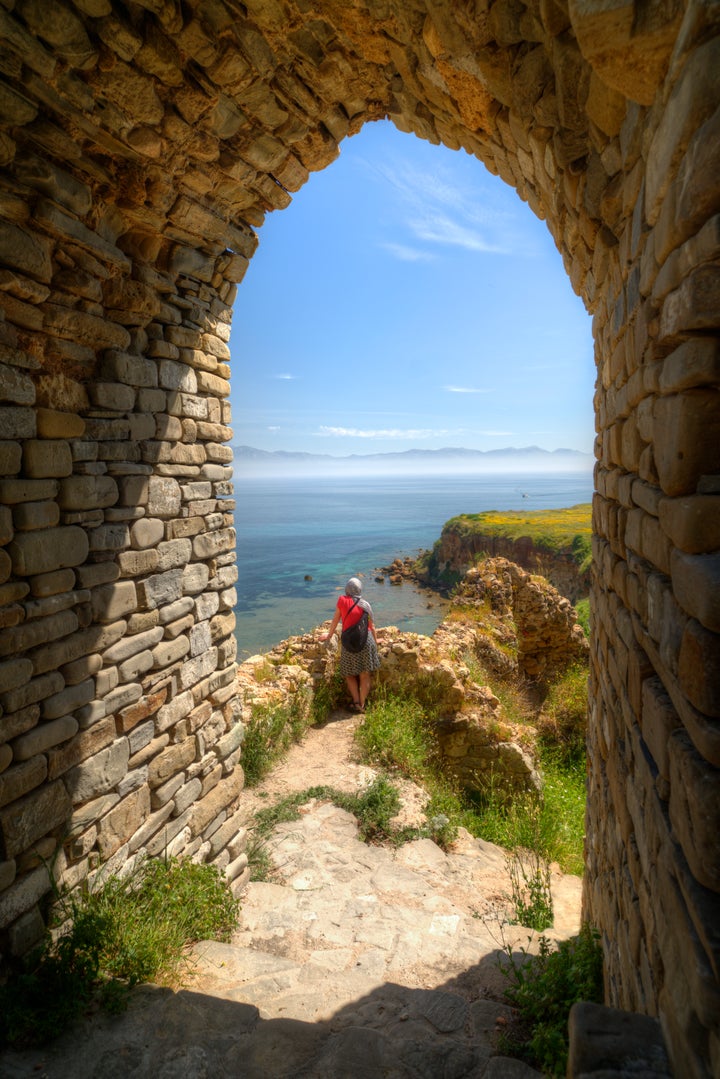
357, 961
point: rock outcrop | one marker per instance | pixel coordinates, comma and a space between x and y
528, 617
458, 550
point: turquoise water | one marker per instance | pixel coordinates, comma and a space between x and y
329, 529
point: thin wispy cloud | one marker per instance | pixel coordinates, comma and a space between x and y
392, 432
286, 378
273, 428
465, 389
407, 254
441, 212
440, 229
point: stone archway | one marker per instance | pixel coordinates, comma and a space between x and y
140, 145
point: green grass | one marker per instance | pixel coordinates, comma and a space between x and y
397, 734
121, 932
562, 722
270, 731
551, 530
582, 609
543, 988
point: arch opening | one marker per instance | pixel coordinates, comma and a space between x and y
140, 146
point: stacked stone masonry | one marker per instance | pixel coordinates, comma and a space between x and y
141, 144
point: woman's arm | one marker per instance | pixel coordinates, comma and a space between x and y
333, 626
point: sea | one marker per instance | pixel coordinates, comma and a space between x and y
299, 538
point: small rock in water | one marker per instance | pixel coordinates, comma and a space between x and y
307, 577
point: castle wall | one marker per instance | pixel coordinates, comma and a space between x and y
141, 144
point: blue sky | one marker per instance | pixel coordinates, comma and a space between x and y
408, 299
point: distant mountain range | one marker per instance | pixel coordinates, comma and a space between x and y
250, 460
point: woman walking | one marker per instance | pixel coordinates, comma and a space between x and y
355, 667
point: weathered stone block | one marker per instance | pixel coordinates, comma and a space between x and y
26, 250
44, 737
699, 668
15, 491
161, 589
175, 710
22, 778
695, 809
14, 673
693, 522
10, 458
87, 492
40, 630
44, 458
32, 515
80, 669
146, 706
48, 549
22, 895
174, 553
54, 424
171, 761
131, 646
195, 578
98, 774
112, 601
32, 817
137, 563
147, 532
68, 699
169, 652
696, 582
136, 666
83, 745
163, 497
15, 386
123, 821
687, 444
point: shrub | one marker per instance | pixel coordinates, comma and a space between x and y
543, 988
121, 932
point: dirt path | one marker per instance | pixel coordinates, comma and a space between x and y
328, 756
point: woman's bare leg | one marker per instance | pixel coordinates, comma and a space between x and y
364, 679
352, 681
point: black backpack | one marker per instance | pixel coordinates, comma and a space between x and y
355, 638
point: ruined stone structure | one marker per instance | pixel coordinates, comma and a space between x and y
140, 145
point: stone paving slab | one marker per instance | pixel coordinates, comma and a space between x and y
358, 962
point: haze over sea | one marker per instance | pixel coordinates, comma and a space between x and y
332, 527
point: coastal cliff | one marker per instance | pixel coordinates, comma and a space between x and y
552, 543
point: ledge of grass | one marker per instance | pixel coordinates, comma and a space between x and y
552, 530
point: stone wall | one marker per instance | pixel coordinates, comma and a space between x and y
140, 145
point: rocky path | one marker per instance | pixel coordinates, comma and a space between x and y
357, 961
